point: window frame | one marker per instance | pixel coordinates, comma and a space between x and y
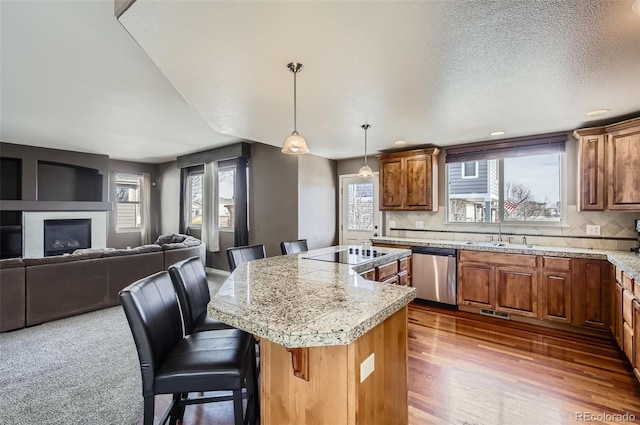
226, 166
463, 173
136, 229
562, 181
188, 201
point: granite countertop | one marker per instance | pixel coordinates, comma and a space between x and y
627, 261
300, 302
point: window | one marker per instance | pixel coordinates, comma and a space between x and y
470, 170
529, 187
128, 202
360, 199
226, 197
194, 198
514, 180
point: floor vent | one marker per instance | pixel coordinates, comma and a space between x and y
497, 314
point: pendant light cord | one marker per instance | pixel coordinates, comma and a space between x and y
295, 107
365, 145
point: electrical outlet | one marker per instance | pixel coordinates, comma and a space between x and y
392, 223
419, 224
593, 230
367, 367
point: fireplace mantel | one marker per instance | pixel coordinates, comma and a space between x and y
55, 206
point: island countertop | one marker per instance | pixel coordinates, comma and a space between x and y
300, 302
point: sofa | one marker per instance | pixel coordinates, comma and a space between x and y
38, 290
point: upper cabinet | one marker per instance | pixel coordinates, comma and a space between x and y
609, 166
409, 180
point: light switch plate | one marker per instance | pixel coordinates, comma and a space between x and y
419, 224
367, 367
593, 230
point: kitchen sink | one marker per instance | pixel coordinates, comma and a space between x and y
501, 245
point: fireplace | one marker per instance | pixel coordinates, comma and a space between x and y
65, 236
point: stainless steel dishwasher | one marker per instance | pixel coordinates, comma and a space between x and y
434, 274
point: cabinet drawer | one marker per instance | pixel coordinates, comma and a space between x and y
369, 274
403, 278
556, 263
619, 275
403, 264
392, 281
627, 308
386, 271
493, 258
627, 342
627, 282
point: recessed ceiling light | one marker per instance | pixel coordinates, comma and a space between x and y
496, 133
598, 112
400, 142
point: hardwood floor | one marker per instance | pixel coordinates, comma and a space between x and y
467, 369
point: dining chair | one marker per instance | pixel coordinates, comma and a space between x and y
220, 360
190, 282
241, 254
293, 247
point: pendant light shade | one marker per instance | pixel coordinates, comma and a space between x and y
365, 170
295, 143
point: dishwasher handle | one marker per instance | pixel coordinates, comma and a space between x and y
428, 250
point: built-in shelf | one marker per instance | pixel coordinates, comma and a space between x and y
55, 206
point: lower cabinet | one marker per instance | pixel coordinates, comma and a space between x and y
394, 273
554, 297
617, 314
636, 338
590, 294
502, 282
562, 290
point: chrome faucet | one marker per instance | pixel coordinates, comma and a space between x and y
524, 240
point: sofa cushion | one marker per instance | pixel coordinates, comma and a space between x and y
92, 250
37, 261
11, 263
176, 245
170, 238
191, 241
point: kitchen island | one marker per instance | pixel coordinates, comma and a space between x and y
333, 345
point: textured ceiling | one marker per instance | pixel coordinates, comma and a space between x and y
429, 72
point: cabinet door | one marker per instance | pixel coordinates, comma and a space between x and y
517, 290
623, 163
393, 184
555, 296
636, 338
591, 185
418, 182
589, 295
617, 313
476, 285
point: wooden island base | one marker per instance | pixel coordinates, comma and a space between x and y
333, 393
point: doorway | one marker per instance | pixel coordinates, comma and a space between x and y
359, 204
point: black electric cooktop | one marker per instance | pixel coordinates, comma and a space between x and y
353, 255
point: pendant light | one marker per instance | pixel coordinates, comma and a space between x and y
365, 170
295, 144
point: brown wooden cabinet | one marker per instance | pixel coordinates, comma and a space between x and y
500, 282
409, 180
591, 163
617, 313
394, 273
590, 293
554, 297
404, 264
623, 165
636, 338
608, 160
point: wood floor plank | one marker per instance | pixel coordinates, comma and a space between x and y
467, 369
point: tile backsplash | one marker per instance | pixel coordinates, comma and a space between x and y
616, 229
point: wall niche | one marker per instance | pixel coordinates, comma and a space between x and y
63, 182
10, 179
